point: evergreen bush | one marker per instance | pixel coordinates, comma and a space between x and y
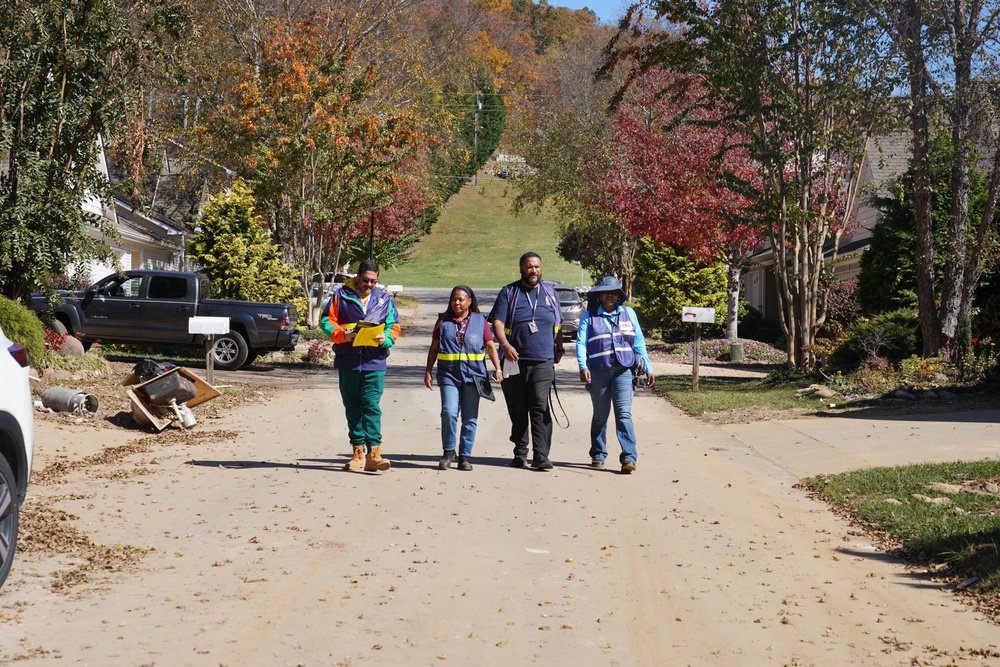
235, 251
893, 336
667, 280
22, 326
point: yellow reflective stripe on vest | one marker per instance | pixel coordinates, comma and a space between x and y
461, 356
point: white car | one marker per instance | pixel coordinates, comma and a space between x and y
17, 434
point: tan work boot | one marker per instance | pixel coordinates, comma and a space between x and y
375, 460
357, 461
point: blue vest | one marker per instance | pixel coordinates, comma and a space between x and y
549, 294
458, 363
349, 310
609, 343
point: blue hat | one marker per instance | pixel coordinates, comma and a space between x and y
609, 284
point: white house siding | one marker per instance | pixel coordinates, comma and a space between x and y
754, 282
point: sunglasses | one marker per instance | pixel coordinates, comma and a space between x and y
368, 281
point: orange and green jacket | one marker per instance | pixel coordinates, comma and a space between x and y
344, 310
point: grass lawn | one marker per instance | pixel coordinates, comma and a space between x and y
477, 242
741, 399
722, 395
946, 513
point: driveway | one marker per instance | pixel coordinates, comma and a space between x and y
261, 550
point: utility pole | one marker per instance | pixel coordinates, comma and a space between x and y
475, 141
371, 237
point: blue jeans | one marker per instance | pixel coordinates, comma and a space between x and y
609, 388
462, 400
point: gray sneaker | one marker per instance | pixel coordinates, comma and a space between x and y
597, 463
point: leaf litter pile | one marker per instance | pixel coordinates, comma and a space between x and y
44, 529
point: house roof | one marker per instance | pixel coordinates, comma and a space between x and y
888, 157
140, 226
174, 193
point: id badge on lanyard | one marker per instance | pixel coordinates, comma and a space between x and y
532, 327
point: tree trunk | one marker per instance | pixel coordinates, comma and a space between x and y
734, 273
909, 28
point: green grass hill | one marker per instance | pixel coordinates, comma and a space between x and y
477, 242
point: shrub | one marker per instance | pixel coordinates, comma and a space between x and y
783, 376
893, 335
236, 252
75, 283
54, 340
842, 302
22, 326
318, 350
314, 334
666, 280
301, 304
977, 361
919, 371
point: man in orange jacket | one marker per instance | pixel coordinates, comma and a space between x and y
361, 368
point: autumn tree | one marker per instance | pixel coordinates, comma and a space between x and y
804, 85
68, 72
668, 155
563, 139
317, 154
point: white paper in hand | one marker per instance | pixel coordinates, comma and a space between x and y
510, 368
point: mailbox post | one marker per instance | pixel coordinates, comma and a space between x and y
697, 316
209, 327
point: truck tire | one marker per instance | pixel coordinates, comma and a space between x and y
8, 518
229, 351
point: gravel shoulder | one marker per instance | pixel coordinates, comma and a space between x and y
242, 541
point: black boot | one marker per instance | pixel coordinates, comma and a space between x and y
446, 460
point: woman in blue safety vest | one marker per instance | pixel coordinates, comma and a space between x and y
459, 345
609, 343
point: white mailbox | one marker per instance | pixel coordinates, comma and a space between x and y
698, 315
208, 325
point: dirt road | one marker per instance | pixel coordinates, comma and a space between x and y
263, 551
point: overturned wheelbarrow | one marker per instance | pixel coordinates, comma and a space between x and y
168, 397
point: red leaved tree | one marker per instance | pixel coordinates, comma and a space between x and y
671, 163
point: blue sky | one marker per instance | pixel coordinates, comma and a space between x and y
607, 10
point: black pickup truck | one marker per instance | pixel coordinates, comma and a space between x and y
153, 307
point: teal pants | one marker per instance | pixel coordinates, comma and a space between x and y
361, 392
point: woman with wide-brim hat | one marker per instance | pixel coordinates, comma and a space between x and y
609, 344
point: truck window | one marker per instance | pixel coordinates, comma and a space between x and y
124, 287
168, 287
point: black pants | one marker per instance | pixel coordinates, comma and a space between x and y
527, 398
